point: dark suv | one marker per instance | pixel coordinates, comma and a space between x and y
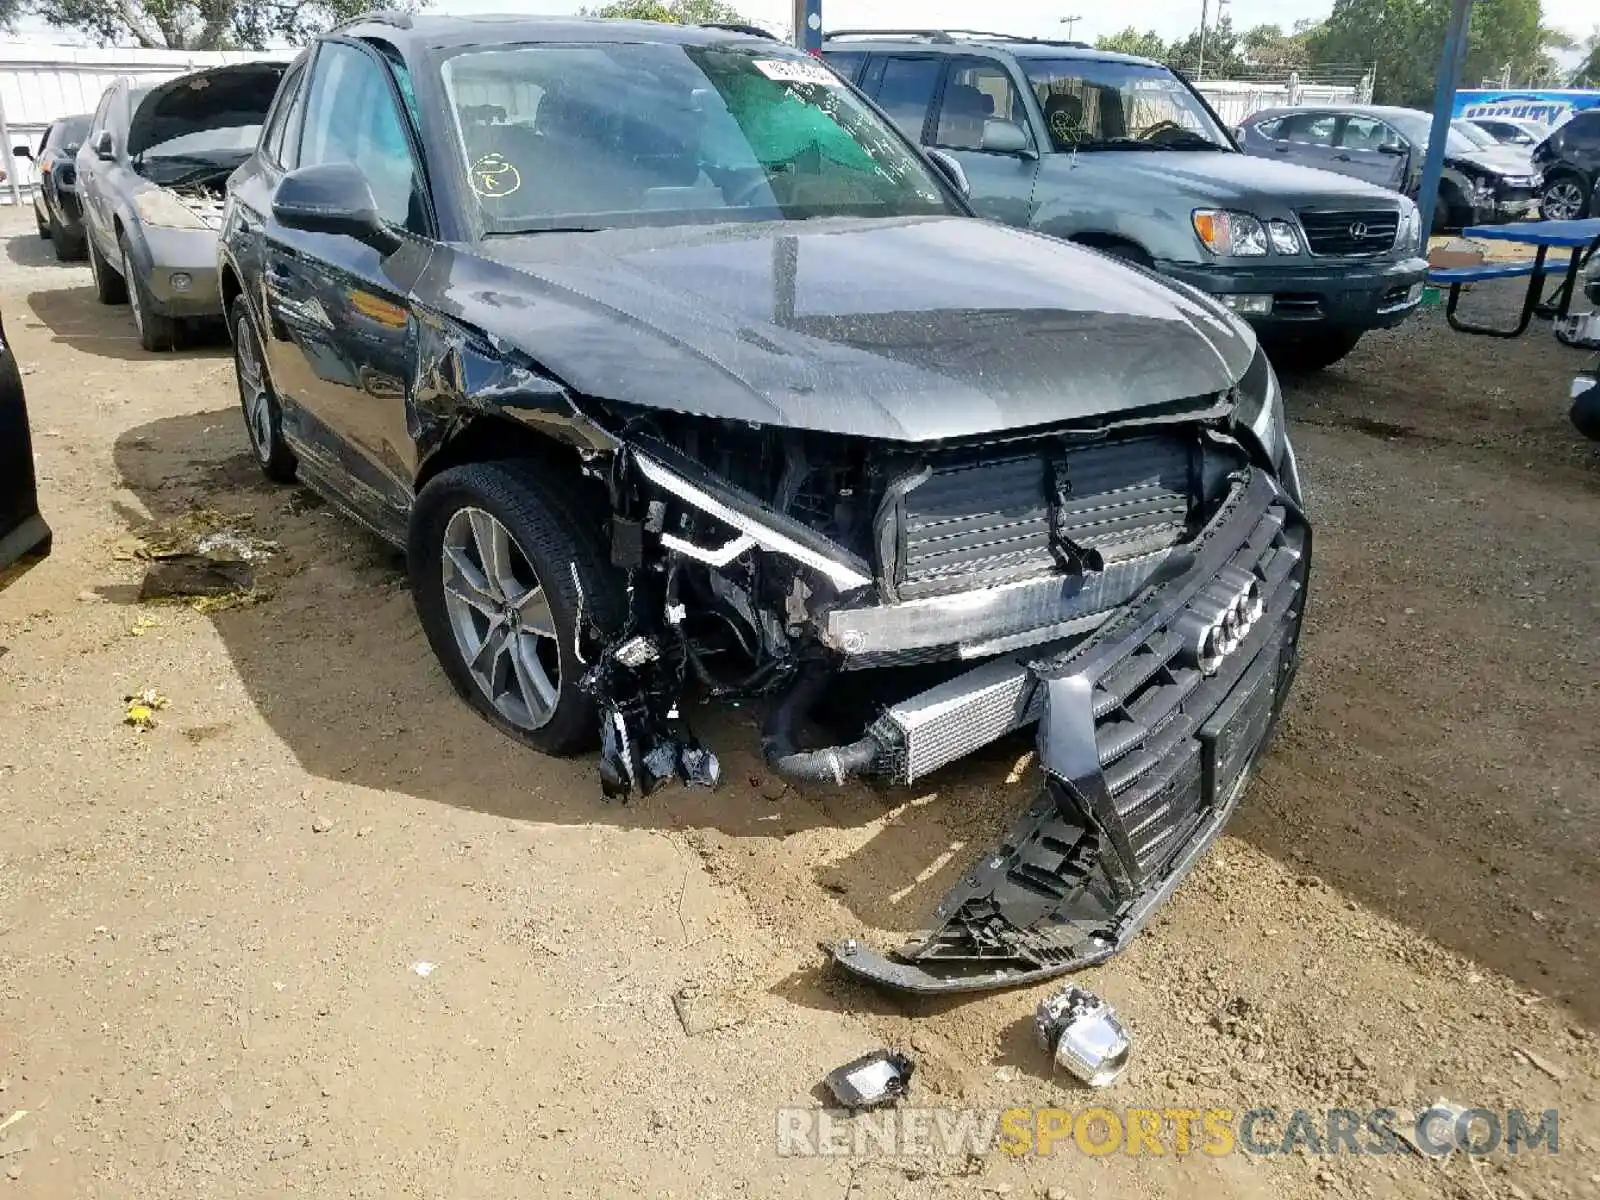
1122, 154
1570, 161
677, 371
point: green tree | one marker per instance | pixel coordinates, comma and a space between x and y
1220, 51
676, 12
1269, 47
1405, 38
1130, 41
194, 24
1588, 73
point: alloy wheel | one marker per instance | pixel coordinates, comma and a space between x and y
501, 618
253, 389
135, 300
1563, 201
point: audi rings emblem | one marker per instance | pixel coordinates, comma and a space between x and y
1220, 617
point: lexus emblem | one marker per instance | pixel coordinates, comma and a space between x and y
1358, 230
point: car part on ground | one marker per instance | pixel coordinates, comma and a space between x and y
871, 1081
1121, 154
1081, 1032
24, 536
151, 176
1483, 182
734, 418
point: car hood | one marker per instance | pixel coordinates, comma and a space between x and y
913, 330
1508, 161
1210, 175
221, 98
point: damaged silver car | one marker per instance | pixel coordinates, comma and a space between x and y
679, 373
151, 179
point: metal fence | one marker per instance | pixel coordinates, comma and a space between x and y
1235, 100
39, 83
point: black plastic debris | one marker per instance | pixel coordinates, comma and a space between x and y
871, 1081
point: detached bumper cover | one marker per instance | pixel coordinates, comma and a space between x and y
1145, 755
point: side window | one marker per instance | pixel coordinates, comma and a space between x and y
1309, 129
351, 117
846, 62
1583, 131
977, 91
906, 92
98, 124
1271, 130
288, 98
1367, 133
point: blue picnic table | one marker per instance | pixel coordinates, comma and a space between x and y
1545, 236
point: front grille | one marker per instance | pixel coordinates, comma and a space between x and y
1173, 742
974, 524
1353, 233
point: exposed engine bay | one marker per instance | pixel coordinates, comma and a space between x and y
1134, 587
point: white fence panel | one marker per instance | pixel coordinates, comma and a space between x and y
39, 83
1235, 100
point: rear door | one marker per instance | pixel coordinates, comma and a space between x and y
339, 312
976, 92
1371, 149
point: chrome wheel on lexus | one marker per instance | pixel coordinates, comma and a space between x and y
501, 619
1563, 201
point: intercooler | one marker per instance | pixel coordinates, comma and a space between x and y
972, 524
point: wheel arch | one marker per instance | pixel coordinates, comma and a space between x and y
1111, 242
498, 437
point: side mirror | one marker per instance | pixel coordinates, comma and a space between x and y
22, 151
1392, 148
951, 169
333, 198
1005, 137
105, 146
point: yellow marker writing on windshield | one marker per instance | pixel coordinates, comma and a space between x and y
492, 177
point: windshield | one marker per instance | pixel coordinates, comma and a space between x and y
69, 131
1418, 126
1481, 138
1092, 104
595, 136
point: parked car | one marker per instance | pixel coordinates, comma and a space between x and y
151, 176
24, 535
1570, 161
1512, 131
677, 370
1481, 184
1121, 154
55, 198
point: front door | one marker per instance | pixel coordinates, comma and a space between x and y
1373, 150
342, 336
1307, 139
978, 93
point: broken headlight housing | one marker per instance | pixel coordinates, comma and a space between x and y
1260, 408
159, 207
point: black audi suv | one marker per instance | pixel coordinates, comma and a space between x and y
678, 372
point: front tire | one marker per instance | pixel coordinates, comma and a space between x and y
263, 415
109, 287
1310, 351
493, 552
1563, 199
156, 332
68, 248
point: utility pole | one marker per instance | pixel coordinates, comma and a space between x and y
1071, 23
1200, 66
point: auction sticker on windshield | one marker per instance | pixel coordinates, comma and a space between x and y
797, 70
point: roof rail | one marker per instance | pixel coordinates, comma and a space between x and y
1019, 37
382, 16
932, 35
735, 27
946, 36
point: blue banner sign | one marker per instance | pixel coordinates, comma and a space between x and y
1550, 107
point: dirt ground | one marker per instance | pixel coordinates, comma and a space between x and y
214, 933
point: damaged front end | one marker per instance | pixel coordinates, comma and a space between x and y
1134, 586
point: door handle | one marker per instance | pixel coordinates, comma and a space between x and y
1341, 158
1281, 149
